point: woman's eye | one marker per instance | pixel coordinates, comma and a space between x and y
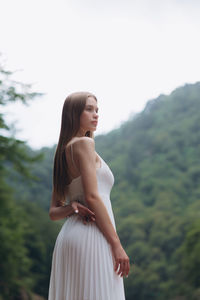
89, 108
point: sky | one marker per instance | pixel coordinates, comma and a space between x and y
126, 52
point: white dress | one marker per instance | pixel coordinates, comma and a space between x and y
82, 264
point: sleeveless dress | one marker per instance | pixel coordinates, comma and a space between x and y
82, 263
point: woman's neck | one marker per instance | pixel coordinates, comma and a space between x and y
81, 133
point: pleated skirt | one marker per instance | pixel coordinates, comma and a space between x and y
82, 265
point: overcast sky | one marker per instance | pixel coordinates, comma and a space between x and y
126, 52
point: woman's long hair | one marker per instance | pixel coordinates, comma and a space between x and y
70, 125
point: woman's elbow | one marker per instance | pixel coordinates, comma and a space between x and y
92, 197
51, 215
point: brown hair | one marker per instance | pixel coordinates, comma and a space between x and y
70, 125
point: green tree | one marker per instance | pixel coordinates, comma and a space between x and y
14, 262
189, 260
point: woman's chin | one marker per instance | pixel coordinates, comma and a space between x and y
93, 128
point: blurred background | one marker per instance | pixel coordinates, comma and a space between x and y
141, 60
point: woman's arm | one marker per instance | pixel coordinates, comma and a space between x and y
84, 150
57, 212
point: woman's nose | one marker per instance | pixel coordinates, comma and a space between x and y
96, 115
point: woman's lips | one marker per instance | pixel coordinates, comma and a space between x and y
94, 122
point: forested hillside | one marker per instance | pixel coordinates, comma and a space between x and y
156, 161
155, 158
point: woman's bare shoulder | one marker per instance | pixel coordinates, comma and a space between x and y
83, 143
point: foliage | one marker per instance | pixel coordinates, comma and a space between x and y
16, 262
155, 158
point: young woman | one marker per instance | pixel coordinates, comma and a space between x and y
89, 261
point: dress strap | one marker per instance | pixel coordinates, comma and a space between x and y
72, 158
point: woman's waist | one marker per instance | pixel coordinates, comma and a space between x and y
76, 224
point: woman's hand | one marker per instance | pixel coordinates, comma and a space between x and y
85, 213
121, 261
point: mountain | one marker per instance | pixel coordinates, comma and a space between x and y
155, 158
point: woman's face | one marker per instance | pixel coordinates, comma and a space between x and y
89, 116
